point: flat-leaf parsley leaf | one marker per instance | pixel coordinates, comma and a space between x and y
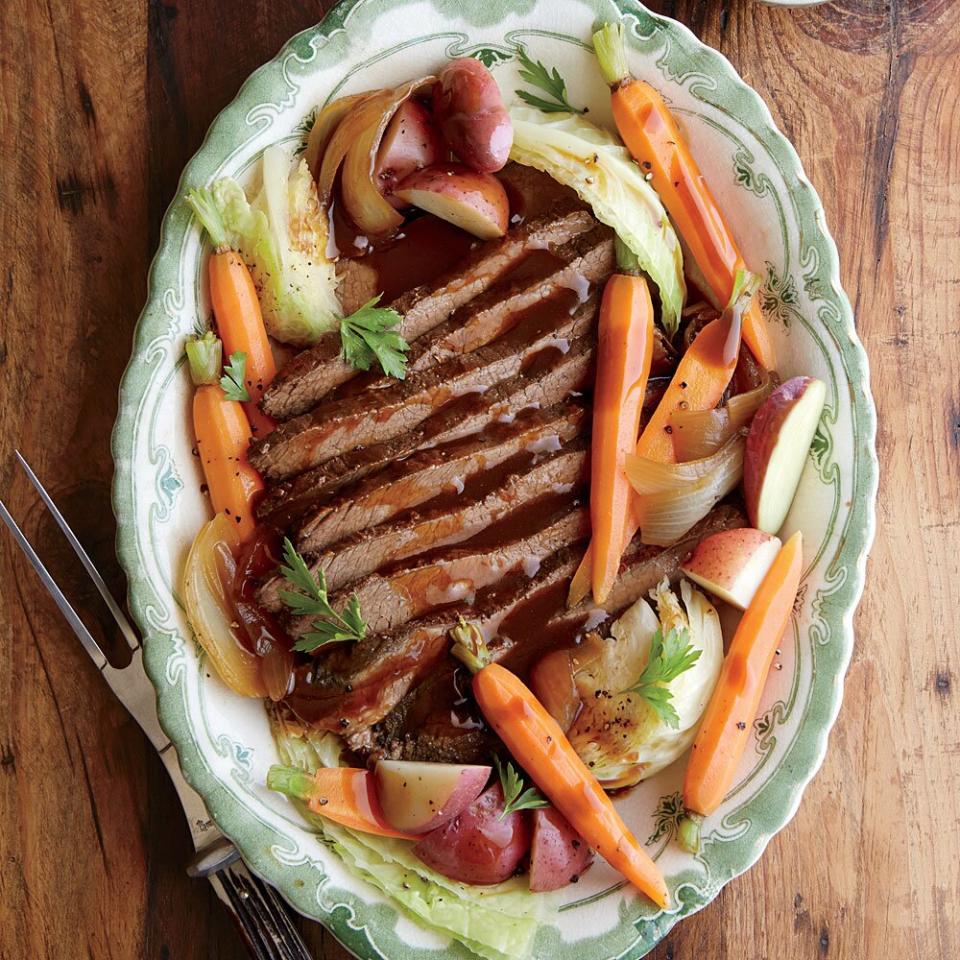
234, 376
514, 796
669, 657
371, 334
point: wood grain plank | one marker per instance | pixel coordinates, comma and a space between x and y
101, 105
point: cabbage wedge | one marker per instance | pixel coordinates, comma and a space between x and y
617, 733
282, 236
593, 162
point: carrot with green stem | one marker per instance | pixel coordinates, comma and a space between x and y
223, 436
345, 795
543, 750
699, 382
728, 721
624, 355
653, 137
236, 308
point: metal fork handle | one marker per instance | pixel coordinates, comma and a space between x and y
261, 915
259, 911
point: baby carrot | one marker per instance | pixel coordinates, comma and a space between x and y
653, 137
223, 435
345, 795
623, 365
236, 308
727, 722
543, 750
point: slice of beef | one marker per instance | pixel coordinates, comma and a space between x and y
533, 193
412, 588
353, 686
448, 519
376, 416
457, 518
550, 377
446, 468
576, 266
315, 372
585, 260
356, 285
523, 631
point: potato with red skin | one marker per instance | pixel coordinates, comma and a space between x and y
476, 846
417, 796
475, 202
777, 447
469, 109
558, 854
731, 564
412, 141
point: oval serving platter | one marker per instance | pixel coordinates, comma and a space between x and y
224, 742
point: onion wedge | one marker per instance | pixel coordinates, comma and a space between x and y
325, 125
353, 146
675, 496
209, 613
699, 433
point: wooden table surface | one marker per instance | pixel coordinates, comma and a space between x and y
101, 104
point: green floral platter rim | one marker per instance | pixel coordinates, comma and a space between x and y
223, 742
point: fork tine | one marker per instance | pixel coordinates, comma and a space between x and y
83, 634
118, 615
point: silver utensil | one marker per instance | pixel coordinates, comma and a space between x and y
263, 918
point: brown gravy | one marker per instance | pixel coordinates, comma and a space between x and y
441, 704
419, 252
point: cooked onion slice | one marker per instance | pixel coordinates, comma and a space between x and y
209, 612
325, 125
354, 146
675, 496
699, 433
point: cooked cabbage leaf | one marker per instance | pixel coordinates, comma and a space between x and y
591, 161
496, 922
620, 735
282, 236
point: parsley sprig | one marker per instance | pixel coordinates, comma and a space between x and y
549, 81
234, 378
514, 796
310, 600
669, 657
370, 334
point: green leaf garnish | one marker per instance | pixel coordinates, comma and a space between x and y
234, 375
550, 82
310, 600
514, 796
371, 334
669, 657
